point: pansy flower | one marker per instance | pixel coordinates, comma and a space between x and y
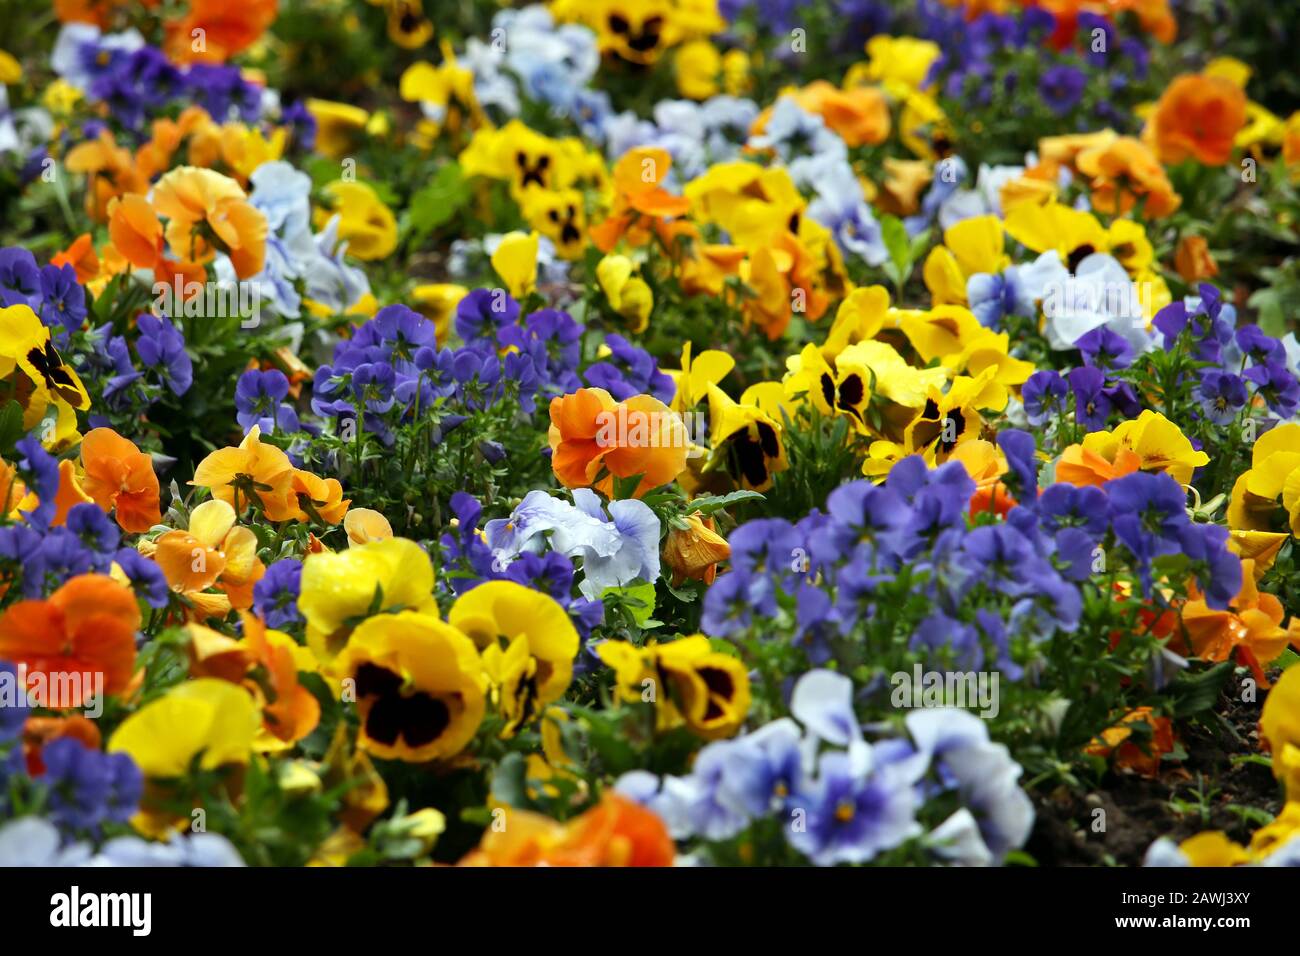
527, 643
418, 686
86, 628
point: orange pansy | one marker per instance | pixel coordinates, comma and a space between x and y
120, 476
84, 629
595, 440
253, 470
1198, 116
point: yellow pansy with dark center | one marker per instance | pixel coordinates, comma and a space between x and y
1078, 255
750, 451
945, 430
56, 376
850, 395
418, 718
532, 171
711, 689
417, 683
643, 39
569, 233
527, 644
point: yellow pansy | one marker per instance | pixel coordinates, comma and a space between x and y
559, 215
640, 32
339, 590
1263, 128
515, 262
11, 71
628, 294
527, 642
340, 127
970, 246
60, 97
445, 93
408, 27
900, 64
746, 440
1074, 234
418, 686
923, 126
525, 158
842, 390
437, 302
366, 224
1279, 723
1229, 68
687, 681
949, 418
861, 316
749, 201
1213, 848
245, 149
25, 345
696, 375
698, 66
1156, 441
208, 718
895, 379
987, 349
1285, 826
1274, 473
942, 331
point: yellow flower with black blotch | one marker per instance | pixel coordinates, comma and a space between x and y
948, 418
25, 346
525, 158
687, 681
559, 215
844, 389
418, 686
445, 94
339, 590
527, 643
639, 31
746, 439
408, 27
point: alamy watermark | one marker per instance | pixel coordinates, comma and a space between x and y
209, 300
964, 689
638, 428
56, 690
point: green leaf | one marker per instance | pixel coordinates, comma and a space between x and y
437, 202
639, 599
708, 504
896, 243
510, 781
1197, 693
11, 425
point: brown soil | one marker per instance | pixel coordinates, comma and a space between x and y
1140, 810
